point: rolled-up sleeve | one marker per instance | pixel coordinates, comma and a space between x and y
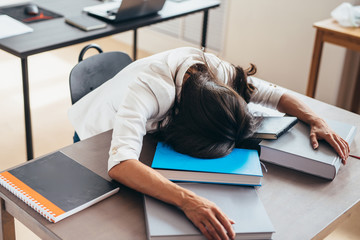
147, 100
266, 94
139, 105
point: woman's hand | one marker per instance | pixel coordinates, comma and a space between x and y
321, 131
204, 214
208, 218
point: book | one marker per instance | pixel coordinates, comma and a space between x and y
239, 203
294, 150
241, 166
85, 22
56, 186
273, 127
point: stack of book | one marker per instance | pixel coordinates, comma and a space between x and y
228, 181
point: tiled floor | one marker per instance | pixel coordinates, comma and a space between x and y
49, 91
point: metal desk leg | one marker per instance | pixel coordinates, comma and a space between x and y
7, 223
204, 29
25, 77
135, 44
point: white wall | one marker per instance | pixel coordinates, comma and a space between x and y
277, 36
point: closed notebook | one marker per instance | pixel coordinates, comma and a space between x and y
56, 186
85, 22
239, 203
241, 166
273, 127
294, 150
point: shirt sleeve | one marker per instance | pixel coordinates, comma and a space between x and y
266, 94
130, 124
147, 100
223, 70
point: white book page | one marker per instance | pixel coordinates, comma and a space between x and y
11, 27
259, 110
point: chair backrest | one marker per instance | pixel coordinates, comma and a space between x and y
90, 73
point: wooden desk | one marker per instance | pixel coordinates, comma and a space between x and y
55, 33
299, 205
330, 31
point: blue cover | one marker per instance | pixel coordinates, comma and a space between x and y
239, 161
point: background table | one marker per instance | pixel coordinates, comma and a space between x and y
330, 31
55, 33
299, 205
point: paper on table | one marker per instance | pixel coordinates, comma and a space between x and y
11, 27
259, 110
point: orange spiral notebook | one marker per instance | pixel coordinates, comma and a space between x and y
56, 186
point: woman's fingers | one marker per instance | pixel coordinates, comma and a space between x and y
335, 143
204, 230
314, 141
217, 229
209, 219
227, 224
340, 145
347, 147
344, 147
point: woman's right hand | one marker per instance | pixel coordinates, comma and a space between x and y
208, 218
204, 214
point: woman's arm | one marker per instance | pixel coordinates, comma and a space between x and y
318, 128
204, 214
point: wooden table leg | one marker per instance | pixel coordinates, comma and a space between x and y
355, 104
315, 64
7, 223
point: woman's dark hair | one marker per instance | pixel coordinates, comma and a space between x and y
240, 83
210, 118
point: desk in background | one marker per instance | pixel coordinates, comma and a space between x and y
55, 33
330, 31
299, 205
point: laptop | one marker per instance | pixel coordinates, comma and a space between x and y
116, 11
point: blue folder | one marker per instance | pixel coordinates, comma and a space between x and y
181, 167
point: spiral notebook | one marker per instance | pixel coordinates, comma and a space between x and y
56, 186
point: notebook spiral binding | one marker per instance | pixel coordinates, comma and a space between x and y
28, 199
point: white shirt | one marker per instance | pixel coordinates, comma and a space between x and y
138, 97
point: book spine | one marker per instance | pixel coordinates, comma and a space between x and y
25, 195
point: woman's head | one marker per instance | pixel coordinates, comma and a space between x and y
209, 119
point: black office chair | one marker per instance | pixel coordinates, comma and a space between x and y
90, 73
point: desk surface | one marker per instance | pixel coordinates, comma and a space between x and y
299, 205
331, 25
55, 33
